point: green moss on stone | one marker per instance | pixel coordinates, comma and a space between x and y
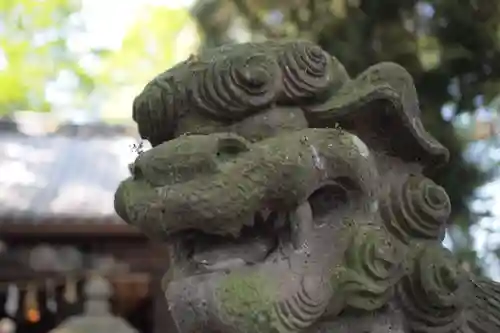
247, 300
374, 264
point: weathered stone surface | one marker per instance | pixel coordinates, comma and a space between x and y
294, 198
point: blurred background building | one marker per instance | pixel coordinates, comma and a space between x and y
58, 225
69, 70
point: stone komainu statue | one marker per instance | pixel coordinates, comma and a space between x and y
293, 198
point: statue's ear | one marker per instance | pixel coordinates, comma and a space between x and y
381, 107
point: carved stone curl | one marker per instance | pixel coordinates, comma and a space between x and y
433, 294
417, 208
307, 72
374, 265
233, 89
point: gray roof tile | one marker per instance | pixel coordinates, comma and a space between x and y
50, 177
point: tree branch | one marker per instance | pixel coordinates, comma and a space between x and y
299, 22
254, 21
311, 5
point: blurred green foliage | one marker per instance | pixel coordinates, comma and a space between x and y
40, 42
147, 48
34, 50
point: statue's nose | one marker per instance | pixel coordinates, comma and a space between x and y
135, 170
120, 203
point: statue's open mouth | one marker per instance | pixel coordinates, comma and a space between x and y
208, 253
262, 237
223, 202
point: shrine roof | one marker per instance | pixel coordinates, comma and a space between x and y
66, 176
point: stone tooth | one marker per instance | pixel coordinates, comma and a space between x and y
301, 221
277, 219
249, 221
177, 248
226, 264
280, 220
265, 213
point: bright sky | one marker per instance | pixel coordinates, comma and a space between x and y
101, 32
108, 32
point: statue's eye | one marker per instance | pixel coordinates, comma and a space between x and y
328, 198
340, 194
